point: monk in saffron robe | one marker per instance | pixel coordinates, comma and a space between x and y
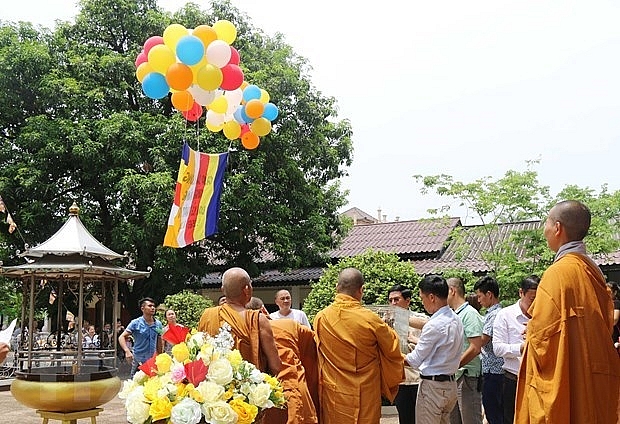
570, 371
297, 351
251, 330
359, 357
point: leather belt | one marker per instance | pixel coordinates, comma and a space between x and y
510, 375
440, 377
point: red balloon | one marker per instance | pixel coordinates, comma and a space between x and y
244, 128
152, 42
234, 56
232, 77
194, 113
141, 58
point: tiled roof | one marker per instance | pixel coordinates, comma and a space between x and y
271, 278
410, 239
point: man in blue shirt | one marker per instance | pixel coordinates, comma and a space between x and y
487, 290
146, 333
437, 354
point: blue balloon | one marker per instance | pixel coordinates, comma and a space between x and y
245, 117
251, 92
238, 115
190, 50
270, 112
155, 86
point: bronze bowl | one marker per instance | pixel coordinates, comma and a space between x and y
58, 389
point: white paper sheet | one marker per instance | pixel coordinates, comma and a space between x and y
6, 334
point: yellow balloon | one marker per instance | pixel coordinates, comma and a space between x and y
264, 96
232, 129
261, 127
214, 128
172, 35
219, 105
209, 77
161, 57
205, 33
143, 69
225, 31
196, 68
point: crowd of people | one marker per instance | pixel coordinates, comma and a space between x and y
548, 358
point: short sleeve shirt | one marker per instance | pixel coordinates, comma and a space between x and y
472, 327
144, 338
491, 364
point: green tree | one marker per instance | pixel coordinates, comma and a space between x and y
75, 126
187, 305
381, 271
516, 197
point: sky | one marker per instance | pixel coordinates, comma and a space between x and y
468, 89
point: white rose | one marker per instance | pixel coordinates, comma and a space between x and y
220, 372
128, 387
136, 406
256, 376
140, 377
210, 391
186, 412
196, 340
259, 395
219, 413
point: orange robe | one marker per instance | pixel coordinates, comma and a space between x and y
359, 360
297, 351
570, 371
245, 331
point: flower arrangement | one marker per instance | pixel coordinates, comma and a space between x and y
202, 378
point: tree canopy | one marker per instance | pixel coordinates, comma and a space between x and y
516, 197
75, 126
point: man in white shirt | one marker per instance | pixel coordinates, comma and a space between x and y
283, 300
437, 354
509, 339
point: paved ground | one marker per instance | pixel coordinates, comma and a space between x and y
113, 413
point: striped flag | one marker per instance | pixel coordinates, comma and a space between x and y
196, 207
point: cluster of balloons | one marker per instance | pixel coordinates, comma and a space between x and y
201, 69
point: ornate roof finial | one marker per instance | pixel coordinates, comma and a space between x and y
74, 209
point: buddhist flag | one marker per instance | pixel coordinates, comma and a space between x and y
196, 207
12, 224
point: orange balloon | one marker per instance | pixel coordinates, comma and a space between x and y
254, 108
250, 141
182, 100
205, 33
179, 76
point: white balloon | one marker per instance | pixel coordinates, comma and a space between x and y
215, 118
218, 53
234, 98
201, 96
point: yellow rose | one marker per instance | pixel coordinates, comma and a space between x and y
151, 387
244, 410
180, 352
160, 408
163, 362
235, 358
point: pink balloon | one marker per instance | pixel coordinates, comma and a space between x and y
232, 77
141, 58
235, 58
151, 42
244, 128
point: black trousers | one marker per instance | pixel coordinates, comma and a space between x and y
405, 403
509, 397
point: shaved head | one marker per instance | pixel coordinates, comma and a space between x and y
234, 281
574, 216
255, 303
350, 280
